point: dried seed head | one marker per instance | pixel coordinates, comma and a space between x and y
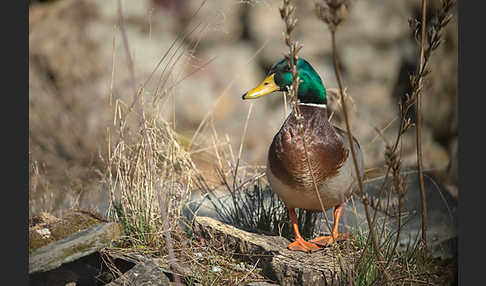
332, 12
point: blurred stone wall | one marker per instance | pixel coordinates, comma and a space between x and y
70, 78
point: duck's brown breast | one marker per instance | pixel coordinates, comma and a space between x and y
325, 149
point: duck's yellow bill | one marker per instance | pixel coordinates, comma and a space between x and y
267, 86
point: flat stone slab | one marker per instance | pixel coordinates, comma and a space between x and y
144, 273
73, 247
45, 228
277, 262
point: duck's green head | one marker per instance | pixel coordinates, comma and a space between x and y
311, 89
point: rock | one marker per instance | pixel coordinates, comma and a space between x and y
451, 175
147, 272
441, 212
222, 21
434, 155
132, 11
45, 228
67, 97
88, 270
271, 254
61, 26
73, 247
42, 219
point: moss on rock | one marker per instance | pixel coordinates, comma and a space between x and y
45, 228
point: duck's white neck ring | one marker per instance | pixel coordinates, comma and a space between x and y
314, 105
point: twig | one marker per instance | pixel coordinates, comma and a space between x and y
419, 128
243, 137
429, 41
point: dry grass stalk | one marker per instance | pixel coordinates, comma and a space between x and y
333, 13
418, 129
428, 42
399, 186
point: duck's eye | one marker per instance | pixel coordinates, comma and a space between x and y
266, 83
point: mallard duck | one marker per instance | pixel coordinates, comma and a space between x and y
328, 151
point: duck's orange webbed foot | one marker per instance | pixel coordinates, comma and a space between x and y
328, 239
301, 245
